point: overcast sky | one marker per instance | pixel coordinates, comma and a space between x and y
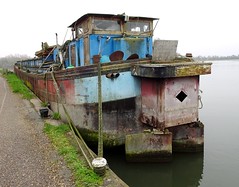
202, 27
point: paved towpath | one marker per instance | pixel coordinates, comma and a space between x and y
27, 158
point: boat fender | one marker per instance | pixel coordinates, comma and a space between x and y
112, 75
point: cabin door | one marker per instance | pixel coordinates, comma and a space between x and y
73, 55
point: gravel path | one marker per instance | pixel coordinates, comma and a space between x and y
27, 158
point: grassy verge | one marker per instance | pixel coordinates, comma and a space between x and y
83, 176
17, 86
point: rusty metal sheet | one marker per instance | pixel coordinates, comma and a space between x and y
188, 138
148, 147
181, 100
169, 102
192, 70
117, 55
167, 70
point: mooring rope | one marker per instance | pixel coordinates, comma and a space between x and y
72, 126
200, 100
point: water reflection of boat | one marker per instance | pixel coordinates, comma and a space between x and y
145, 88
185, 170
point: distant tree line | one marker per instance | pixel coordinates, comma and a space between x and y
202, 58
8, 62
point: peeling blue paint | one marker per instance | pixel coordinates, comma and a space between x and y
123, 87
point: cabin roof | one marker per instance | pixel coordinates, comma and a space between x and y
120, 16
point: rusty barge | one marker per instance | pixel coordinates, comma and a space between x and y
150, 97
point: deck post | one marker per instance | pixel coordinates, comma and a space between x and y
100, 135
99, 163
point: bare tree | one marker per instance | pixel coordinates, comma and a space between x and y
8, 62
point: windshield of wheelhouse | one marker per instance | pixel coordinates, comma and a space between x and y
108, 25
137, 26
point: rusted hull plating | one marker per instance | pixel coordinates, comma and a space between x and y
188, 138
120, 117
169, 102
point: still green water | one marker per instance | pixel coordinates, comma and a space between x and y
218, 165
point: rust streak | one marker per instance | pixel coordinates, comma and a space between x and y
152, 121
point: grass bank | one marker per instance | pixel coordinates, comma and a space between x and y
17, 85
84, 177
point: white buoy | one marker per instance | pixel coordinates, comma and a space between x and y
99, 165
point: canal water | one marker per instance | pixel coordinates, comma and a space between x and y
218, 165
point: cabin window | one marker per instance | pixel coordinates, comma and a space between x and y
136, 26
80, 31
110, 25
